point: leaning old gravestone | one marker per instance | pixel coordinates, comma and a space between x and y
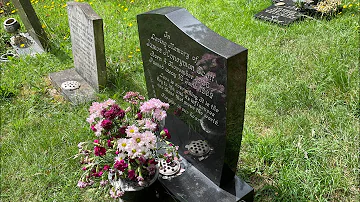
203, 77
80, 84
36, 38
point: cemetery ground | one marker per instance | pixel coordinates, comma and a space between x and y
301, 130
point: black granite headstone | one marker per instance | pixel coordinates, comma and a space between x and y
203, 77
282, 12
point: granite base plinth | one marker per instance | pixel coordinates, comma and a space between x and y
31, 49
192, 185
83, 94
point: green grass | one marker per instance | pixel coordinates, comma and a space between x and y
301, 131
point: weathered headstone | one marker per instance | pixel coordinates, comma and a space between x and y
35, 33
283, 12
87, 38
203, 77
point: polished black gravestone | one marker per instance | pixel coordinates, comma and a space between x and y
282, 12
203, 77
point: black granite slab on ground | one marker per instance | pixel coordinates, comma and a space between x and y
281, 14
193, 185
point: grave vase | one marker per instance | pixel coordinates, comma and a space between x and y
11, 25
133, 191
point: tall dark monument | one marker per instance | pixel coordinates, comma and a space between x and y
203, 77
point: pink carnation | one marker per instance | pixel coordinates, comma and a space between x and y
108, 102
153, 104
91, 118
99, 151
103, 182
120, 165
106, 124
131, 174
165, 133
98, 129
106, 167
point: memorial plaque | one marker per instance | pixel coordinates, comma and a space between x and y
87, 38
203, 77
282, 12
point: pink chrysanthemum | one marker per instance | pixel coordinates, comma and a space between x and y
139, 138
96, 108
109, 102
123, 144
131, 130
159, 114
150, 125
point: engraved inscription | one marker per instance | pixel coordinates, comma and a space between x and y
186, 81
83, 45
280, 14
276, 11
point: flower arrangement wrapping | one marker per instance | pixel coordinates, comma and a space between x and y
126, 142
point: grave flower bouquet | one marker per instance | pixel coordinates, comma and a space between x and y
126, 143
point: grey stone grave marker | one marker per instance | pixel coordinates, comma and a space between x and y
203, 77
36, 38
87, 38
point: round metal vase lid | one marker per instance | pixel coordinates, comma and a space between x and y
169, 169
4, 57
70, 85
198, 148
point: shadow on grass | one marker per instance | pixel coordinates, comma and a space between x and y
60, 54
120, 81
264, 188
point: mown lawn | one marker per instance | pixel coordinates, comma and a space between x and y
301, 130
